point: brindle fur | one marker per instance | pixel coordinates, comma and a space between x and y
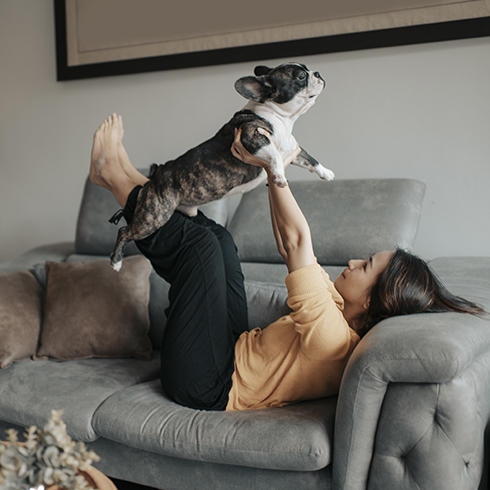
203, 174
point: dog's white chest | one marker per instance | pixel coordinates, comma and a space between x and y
284, 141
282, 125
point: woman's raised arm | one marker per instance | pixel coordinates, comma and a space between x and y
291, 230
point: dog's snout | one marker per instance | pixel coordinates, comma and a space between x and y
318, 77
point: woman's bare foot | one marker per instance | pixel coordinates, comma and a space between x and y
105, 168
104, 160
128, 167
123, 159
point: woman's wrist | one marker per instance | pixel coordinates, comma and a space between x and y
268, 172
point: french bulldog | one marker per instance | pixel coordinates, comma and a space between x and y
276, 99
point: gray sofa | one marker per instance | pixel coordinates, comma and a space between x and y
414, 404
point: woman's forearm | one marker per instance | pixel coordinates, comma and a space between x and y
275, 230
289, 225
291, 230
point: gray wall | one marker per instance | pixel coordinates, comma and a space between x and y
416, 111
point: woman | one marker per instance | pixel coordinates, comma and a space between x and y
209, 359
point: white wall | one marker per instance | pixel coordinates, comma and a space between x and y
421, 112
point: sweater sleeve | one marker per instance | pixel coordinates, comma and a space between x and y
317, 313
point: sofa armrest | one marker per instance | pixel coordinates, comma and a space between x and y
57, 252
404, 369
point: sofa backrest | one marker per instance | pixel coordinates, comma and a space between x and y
348, 219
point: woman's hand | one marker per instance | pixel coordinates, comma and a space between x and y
239, 151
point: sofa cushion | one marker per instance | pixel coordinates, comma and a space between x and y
266, 303
348, 219
296, 437
93, 311
29, 390
20, 316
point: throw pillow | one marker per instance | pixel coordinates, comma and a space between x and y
93, 311
20, 316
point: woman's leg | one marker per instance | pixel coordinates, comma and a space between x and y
137, 177
235, 288
109, 162
208, 308
198, 345
207, 300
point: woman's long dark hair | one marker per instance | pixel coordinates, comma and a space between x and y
408, 286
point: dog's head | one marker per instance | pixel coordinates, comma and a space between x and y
281, 85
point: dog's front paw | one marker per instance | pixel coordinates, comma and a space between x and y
324, 173
279, 180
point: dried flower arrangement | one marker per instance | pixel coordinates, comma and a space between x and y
48, 457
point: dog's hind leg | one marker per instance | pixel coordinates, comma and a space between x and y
123, 237
150, 215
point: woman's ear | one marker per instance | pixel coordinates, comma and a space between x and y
367, 304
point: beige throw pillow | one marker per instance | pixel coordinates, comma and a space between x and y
20, 316
93, 311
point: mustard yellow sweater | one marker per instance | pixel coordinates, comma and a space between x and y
301, 356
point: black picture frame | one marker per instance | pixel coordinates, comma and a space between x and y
425, 33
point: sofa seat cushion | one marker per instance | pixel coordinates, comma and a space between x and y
296, 437
29, 390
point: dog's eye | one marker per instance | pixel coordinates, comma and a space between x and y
301, 75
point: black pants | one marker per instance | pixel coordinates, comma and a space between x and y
208, 306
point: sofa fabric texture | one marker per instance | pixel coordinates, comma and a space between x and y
380, 215
298, 438
29, 390
348, 219
414, 402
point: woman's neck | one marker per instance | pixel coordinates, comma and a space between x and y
354, 316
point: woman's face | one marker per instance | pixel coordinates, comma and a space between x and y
356, 281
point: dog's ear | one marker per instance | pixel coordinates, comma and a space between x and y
262, 70
257, 89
